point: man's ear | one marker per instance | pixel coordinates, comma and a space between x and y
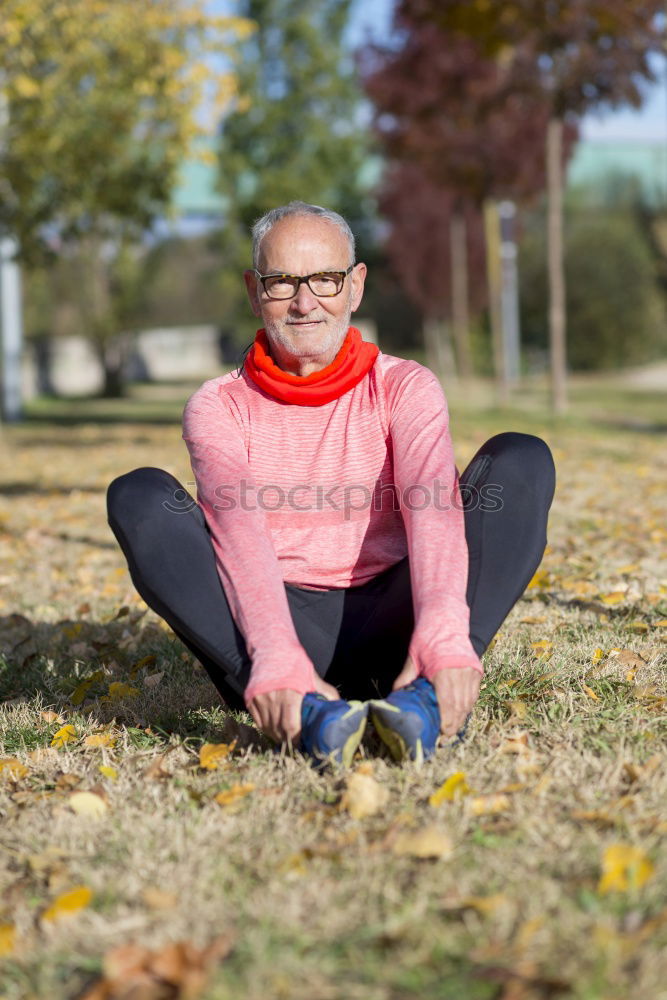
358, 277
252, 286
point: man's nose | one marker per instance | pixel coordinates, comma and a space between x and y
304, 301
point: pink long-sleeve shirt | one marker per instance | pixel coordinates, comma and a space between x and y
326, 497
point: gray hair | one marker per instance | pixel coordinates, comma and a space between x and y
268, 221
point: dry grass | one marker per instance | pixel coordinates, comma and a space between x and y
318, 903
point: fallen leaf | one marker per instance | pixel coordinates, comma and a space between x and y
519, 709
11, 767
51, 716
638, 627
455, 787
7, 939
152, 680
118, 690
87, 804
488, 805
429, 842
363, 795
517, 744
100, 740
615, 597
157, 769
624, 867
589, 692
484, 905
178, 971
233, 794
211, 754
68, 903
63, 736
84, 686
66, 781
108, 772
159, 899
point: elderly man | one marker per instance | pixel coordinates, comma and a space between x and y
332, 553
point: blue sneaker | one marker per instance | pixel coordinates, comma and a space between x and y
408, 721
332, 730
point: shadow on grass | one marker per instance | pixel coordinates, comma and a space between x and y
136, 674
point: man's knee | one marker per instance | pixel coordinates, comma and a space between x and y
130, 494
525, 457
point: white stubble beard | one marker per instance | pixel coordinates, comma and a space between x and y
331, 344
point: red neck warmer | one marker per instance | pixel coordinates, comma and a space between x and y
353, 361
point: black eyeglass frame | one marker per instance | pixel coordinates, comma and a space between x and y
299, 281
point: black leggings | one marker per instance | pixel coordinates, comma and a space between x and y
356, 637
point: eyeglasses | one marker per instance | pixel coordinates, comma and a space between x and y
324, 284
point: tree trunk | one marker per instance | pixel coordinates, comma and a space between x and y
460, 315
557, 329
493, 274
439, 357
112, 357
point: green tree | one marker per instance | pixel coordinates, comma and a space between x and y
615, 307
296, 132
100, 99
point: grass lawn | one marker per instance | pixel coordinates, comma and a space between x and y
540, 870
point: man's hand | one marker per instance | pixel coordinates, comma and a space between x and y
278, 713
456, 688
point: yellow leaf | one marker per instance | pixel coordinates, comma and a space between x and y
484, 905
488, 805
63, 736
624, 867
72, 631
661, 623
83, 687
118, 690
87, 804
590, 692
639, 627
68, 903
100, 740
7, 939
363, 795
597, 655
615, 597
233, 794
455, 787
211, 754
108, 772
519, 708
541, 580
542, 644
11, 767
429, 842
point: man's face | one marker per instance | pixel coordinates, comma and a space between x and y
306, 328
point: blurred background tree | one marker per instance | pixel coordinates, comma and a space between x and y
616, 313
101, 99
297, 130
576, 56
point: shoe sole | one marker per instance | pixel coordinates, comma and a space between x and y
402, 742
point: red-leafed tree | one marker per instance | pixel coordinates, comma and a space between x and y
453, 115
569, 57
435, 247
